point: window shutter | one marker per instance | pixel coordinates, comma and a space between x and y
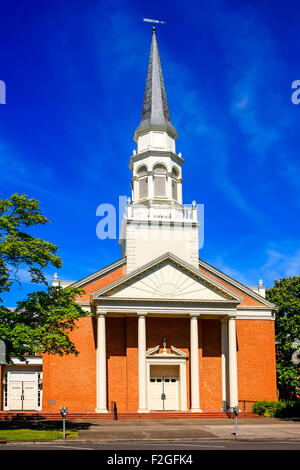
159, 185
143, 188
174, 189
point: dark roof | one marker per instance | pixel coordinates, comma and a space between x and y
155, 106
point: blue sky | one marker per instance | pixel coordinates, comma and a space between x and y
75, 74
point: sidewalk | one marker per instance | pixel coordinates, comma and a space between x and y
184, 429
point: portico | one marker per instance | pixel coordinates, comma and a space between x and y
151, 359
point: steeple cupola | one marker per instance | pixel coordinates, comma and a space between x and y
156, 168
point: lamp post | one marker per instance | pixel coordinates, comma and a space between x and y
64, 412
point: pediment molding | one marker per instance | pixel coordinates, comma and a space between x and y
175, 353
168, 278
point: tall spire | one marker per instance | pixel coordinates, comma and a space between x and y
155, 106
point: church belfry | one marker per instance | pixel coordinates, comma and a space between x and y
156, 220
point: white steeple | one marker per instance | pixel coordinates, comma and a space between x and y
156, 222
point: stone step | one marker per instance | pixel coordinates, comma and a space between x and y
8, 415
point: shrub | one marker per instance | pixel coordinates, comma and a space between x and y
277, 409
259, 407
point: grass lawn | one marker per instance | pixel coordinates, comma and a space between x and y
34, 434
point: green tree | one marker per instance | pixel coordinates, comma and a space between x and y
43, 321
285, 294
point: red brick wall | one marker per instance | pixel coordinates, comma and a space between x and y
177, 333
116, 361
102, 282
210, 365
71, 380
132, 364
256, 359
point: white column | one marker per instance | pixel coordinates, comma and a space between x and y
224, 359
142, 363
194, 358
101, 365
179, 190
232, 364
150, 185
169, 186
134, 189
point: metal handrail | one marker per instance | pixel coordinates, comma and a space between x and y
246, 401
114, 409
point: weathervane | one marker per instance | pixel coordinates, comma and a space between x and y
152, 20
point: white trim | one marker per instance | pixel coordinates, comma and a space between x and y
255, 317
152, 309
30, 360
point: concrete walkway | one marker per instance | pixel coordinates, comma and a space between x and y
195, 429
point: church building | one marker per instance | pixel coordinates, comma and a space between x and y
166, 331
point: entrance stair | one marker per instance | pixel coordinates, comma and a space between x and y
90, 415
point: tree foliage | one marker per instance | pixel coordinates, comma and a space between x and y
285, 294
43, 321
17, 247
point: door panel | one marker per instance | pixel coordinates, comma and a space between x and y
171, 393
15, 394
156, 389
29, 391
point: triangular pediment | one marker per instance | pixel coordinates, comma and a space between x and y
175, 352
167, 278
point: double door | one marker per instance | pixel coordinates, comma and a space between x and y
22, 395
164, 393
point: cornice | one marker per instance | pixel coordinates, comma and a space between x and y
152, 127
164, 300
155, 153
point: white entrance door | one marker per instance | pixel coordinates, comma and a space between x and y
163, 389
22, 391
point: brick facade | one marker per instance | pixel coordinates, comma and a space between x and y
71, 381
256, 360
